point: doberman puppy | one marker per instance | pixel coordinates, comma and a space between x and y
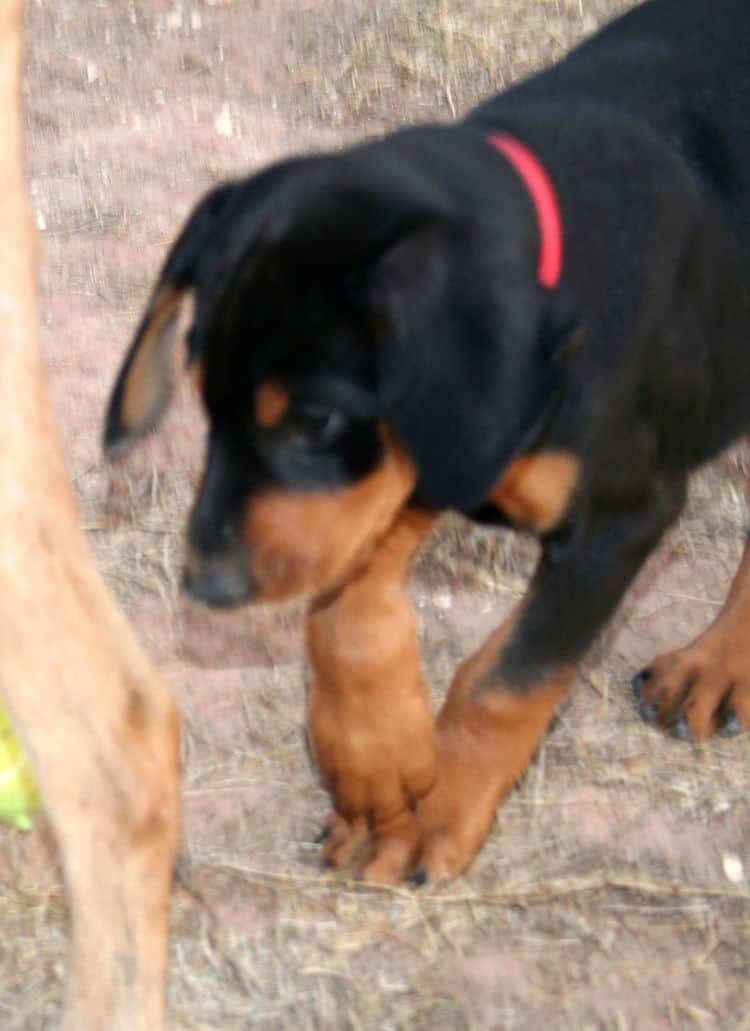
99, 724
537, 316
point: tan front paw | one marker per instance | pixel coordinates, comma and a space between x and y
381, 856
377, 762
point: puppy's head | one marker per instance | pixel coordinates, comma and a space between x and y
361, 340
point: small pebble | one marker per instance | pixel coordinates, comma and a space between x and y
223, 122
733, 868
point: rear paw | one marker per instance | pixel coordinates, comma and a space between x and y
693, 694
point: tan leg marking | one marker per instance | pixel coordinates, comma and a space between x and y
370, 725
487, 735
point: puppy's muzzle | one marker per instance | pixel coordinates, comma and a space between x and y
219, 581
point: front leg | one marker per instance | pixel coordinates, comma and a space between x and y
503, 698
370, 725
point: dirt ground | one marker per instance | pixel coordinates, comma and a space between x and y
613, 892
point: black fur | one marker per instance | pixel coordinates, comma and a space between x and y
397, 281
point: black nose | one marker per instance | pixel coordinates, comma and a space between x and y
221, 581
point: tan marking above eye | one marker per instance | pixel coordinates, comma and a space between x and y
536, 490
271, 403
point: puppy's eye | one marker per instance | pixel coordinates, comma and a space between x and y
317, 425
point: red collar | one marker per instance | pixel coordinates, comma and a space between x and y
537, 181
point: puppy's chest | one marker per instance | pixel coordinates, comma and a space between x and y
536, 490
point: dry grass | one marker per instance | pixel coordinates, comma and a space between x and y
443, 56
608, 896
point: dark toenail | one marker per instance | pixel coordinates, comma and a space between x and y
731, 726
639, 681
326, 863
419, 877
681, 729
649, 713
322, 835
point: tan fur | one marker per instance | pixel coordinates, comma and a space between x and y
485, 737
370, 725
196, 378
271, 404
309, 543
536, 490
401, 787
151, 371
711, 672
99, 725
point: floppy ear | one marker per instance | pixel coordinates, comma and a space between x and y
144, 384
466, 341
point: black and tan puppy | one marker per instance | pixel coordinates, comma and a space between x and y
539, 315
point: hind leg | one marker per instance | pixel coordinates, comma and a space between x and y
704, 688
